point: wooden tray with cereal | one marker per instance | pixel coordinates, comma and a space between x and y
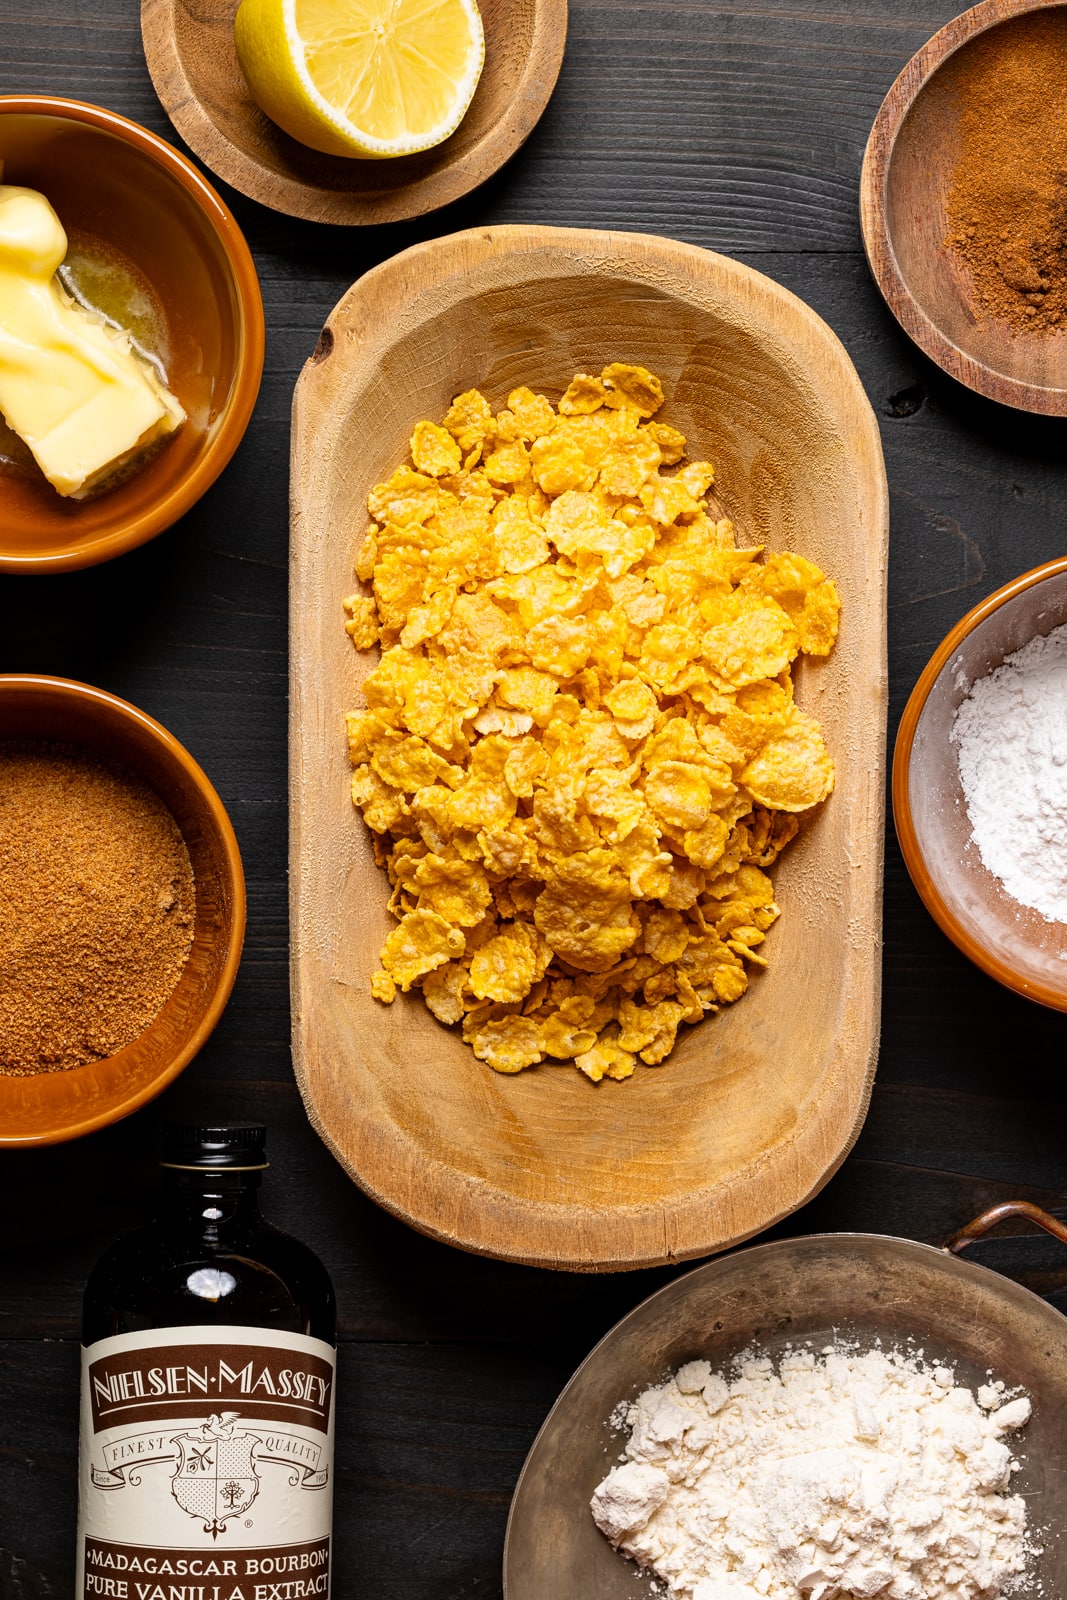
582, 1019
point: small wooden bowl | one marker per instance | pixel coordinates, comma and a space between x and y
50, 1107
189, 48
907, 175
756, 1107
126, 197
1017, 946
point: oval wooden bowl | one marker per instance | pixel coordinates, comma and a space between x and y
907, 174
50, 1107
190, 53
756, 1108
123, 194
1017, 946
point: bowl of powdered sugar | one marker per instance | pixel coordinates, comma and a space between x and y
980, 785
846, 1417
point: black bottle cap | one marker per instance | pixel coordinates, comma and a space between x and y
235, 1147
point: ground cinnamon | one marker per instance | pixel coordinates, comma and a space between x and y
1007, 205
96, 907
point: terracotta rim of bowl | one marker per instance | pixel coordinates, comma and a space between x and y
122, 710
874, 223
250, 335
904, 821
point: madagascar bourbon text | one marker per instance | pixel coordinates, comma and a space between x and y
207, 1462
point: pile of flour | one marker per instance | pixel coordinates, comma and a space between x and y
1011, 732
838, 1474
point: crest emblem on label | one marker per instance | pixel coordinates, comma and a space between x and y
216, 1476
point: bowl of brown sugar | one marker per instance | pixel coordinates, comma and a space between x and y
963, 201
122, 909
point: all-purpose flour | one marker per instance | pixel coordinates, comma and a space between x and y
840, 1474
1012, 736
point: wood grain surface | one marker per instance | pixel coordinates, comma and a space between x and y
739, 126
757, 1108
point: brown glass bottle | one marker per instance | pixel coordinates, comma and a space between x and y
207, 1392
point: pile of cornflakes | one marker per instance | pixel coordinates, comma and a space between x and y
581, 748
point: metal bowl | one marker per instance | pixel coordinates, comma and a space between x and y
795, 1291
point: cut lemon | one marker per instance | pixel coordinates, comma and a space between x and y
371, 78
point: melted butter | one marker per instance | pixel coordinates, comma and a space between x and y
110, 287
15, 456
82, 382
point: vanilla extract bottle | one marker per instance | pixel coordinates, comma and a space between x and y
207, 1395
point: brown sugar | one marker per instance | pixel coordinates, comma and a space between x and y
96, 907
1007, 205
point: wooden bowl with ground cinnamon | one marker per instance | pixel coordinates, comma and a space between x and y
963, 204
122, 909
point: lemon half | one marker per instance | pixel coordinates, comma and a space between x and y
371, 78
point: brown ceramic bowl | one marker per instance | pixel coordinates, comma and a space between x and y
52, 1106
907, 174
1015, 945
147, 229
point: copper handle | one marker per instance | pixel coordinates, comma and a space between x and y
1008, 1208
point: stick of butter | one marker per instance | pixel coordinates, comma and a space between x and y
70, 386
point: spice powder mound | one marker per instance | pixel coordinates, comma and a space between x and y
1007, 203
97, 908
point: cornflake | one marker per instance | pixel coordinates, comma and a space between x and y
580, 749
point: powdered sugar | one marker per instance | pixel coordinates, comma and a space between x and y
848, 1473
1011, 732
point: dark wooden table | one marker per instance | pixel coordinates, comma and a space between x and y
735, 124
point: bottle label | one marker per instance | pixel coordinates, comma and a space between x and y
206, 1466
